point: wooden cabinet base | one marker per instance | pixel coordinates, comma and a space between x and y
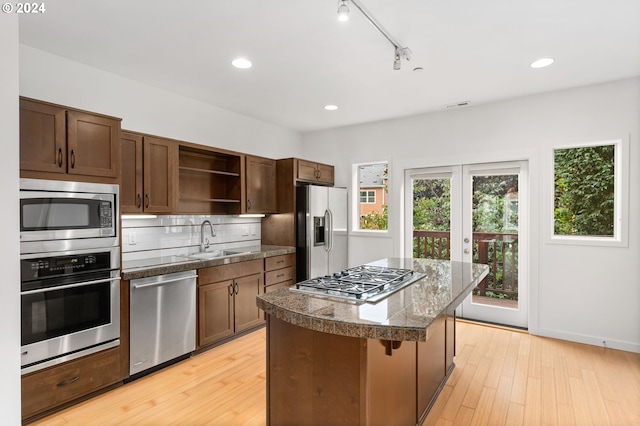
316, 378
55, 386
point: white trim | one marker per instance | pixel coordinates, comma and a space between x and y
354, 219
590, 340
620, 236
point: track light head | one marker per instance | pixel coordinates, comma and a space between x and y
401, 53
343, 10
396, 62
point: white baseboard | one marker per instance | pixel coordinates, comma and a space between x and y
590, 340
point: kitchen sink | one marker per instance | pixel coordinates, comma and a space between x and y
214, 254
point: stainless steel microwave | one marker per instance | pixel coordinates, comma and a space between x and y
61, 215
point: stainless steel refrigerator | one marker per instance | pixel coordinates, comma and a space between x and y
321, 235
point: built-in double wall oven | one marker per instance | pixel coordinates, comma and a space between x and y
69, 266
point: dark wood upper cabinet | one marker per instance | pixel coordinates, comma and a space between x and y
43, 137
260, 181
62, 141
148, 174
131, 175
92, 144
308, 171
280, 229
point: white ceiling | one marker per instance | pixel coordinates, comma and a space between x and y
303, 58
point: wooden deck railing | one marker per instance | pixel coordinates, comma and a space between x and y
498, 250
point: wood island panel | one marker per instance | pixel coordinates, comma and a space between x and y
317, 378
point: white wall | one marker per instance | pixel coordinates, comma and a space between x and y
147, 109
584, 294
9, 225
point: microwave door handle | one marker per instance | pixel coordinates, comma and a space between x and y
64, 287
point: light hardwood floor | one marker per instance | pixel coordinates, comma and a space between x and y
502, 377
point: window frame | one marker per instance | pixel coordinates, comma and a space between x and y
620, 236
355, 199
369, 194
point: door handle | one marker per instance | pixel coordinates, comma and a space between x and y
139, 203
73, 158
231, 289
236, 287
466, 251
60, 157
466, 240
146, 196
68, 382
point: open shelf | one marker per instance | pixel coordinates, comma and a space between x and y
209, 181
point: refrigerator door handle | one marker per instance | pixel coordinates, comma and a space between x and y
330, 227
327, 230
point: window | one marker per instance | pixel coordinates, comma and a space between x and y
587, 188
372, 188
368, 197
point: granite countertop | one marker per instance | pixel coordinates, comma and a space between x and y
166, 265
404, 315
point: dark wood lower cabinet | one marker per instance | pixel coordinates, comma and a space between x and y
227, 300
54, 386
316, 378
215, 306
247, 313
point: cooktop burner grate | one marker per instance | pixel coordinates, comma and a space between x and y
360, 283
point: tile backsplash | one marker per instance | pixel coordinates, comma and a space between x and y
145, 238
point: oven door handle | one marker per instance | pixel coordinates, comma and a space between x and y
64, 287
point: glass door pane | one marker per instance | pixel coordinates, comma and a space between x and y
493, 214
431, 217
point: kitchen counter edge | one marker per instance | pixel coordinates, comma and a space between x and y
265, 251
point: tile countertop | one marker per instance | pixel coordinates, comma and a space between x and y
404, 315
166, 265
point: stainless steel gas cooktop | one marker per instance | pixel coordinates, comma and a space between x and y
364, 283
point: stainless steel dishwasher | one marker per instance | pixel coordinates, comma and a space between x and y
162, 319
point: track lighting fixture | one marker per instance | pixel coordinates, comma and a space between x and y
343, 10
399, 51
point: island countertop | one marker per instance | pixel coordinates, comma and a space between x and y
403, 316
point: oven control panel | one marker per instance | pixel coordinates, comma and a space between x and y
56, 266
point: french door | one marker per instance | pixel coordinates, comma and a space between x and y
475, 213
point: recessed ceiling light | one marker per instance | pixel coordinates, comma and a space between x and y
331, 107
541, 63
241, 63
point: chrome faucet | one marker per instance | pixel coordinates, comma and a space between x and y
204, 242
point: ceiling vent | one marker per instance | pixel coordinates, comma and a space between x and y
458, 105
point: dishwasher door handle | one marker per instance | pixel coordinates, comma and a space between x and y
155, 284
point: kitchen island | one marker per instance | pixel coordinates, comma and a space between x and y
335, 361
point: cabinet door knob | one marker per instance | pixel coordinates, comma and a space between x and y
73, 158
60, 157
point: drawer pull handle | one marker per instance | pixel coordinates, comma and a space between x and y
68, 382
280, 261
279, 275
